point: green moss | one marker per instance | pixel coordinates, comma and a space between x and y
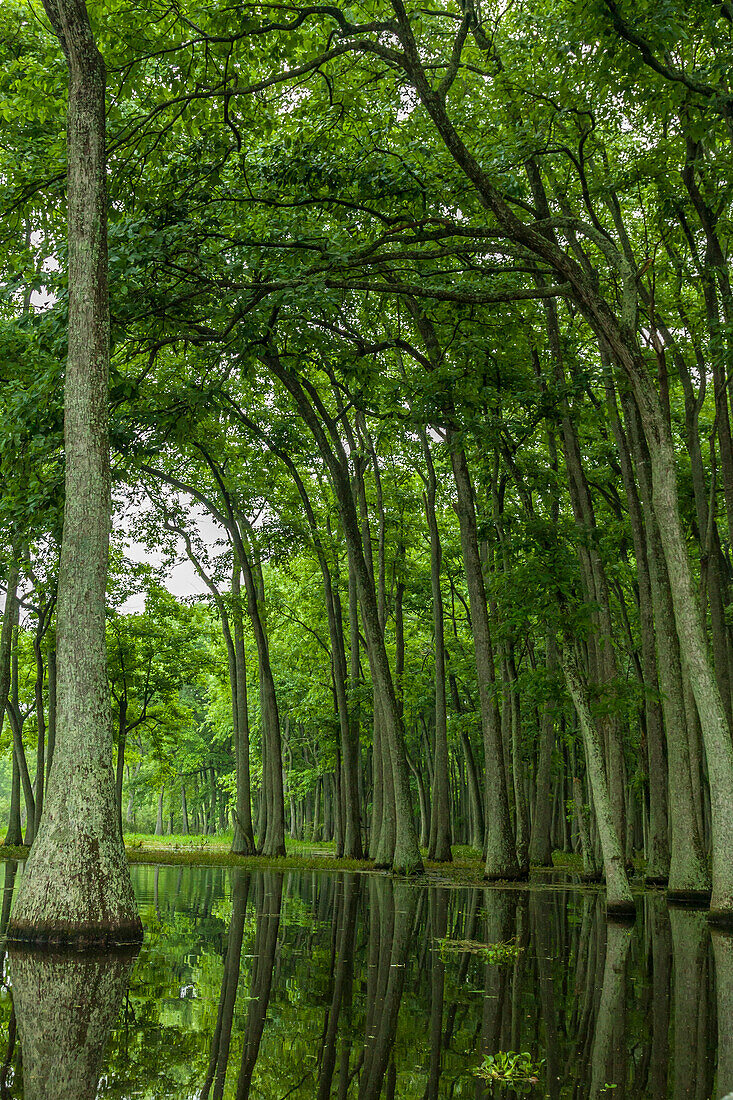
567, 861
21, 852
466, 869
220, 857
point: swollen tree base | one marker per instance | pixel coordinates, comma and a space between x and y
76, 889
620, 911
721, 918
512, 874
656, 880
688, 899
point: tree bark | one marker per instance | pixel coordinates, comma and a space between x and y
540, 844
76, 887
14, 835
440, 833
618, 893
501, 858
243, 839
688, 873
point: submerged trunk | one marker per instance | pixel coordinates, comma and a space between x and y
76, 886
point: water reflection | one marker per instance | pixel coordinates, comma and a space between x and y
65, 1006
359, 987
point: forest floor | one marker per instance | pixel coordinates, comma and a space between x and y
466, 869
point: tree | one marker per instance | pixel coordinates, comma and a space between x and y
76, 888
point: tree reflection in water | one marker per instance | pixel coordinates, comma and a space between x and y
65, 1005
358, 987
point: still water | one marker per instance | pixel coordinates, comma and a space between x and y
309, 985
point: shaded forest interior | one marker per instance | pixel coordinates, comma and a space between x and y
420, 328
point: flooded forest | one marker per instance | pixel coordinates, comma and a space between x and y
366, 524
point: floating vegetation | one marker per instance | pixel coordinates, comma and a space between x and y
507, 1068
496, 953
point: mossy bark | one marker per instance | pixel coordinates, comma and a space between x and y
618, 893
76, 887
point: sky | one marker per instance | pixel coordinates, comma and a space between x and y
182, 580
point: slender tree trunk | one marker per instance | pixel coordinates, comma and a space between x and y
440, 833
688, 873
16, 723
520, 797
159, 818
14, 835
501, 859
184, 810
618, 893
76, 886
657, 854
590, 871
272, 840
121, 741
406, 854
540, 844
40, 725
243, 838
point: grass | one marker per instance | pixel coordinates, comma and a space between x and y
466, 869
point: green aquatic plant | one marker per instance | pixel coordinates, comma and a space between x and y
508, 1068
495, 953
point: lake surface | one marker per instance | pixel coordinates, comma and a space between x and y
308, 985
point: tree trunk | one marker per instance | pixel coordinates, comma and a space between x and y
51, 706
406, 854
159, 818
184, 810
243, 839
590, 870
688, 873
16, 723
520, 798
40, 724
440, 834
618, 893
501, 858
272, 840
657, 853
76, 887
540, 844
14, 835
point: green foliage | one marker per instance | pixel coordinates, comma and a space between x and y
517, 1071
